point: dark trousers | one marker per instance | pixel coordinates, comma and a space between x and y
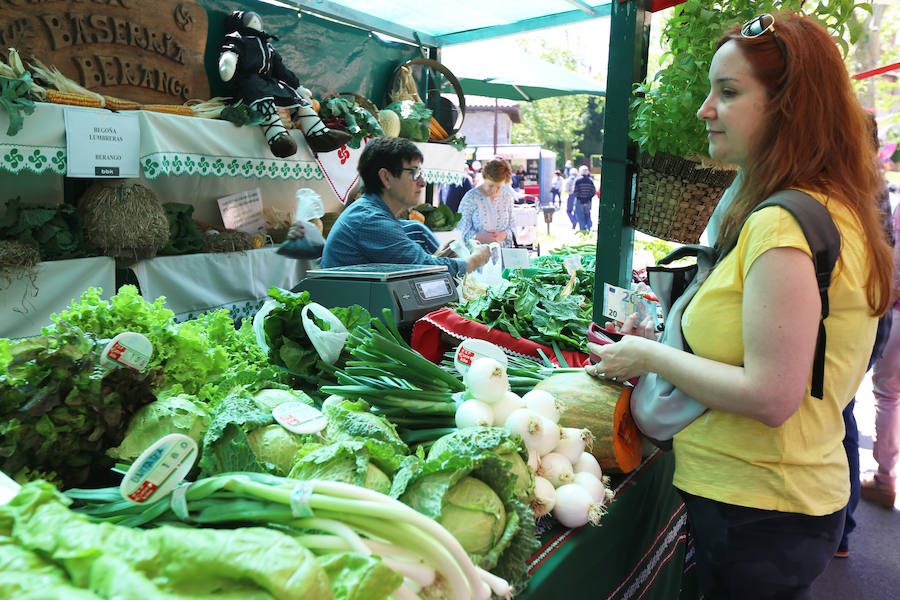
851, 447
747, 553
570, 209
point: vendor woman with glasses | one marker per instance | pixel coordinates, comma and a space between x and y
368, 231
763, 472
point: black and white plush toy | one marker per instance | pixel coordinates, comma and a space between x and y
254, 71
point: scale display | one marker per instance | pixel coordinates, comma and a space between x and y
434, 288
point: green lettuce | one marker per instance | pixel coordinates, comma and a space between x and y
169, 414
362, 463
415, 119
165, 563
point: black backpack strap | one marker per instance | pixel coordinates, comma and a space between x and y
824, 241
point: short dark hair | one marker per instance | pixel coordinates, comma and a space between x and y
385, 153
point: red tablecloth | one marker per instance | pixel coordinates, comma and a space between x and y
426, 338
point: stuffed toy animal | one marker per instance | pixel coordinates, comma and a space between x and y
254, 72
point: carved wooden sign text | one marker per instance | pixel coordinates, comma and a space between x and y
149, 51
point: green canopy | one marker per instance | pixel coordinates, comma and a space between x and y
515, 76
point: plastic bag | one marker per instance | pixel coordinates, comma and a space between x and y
309, 207
258, 319
327, 343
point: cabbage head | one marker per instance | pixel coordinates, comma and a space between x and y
474, 514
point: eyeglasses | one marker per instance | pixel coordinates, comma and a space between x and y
416, 172
760, 25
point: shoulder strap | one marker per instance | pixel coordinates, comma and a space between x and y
824, 241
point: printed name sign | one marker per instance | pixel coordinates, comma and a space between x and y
101, 144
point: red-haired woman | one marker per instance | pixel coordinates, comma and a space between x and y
763, 472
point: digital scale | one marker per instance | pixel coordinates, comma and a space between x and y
410, 291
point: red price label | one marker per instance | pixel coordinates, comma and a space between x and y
142, 493
116, 351
464, 355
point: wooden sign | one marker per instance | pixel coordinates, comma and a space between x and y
149, 51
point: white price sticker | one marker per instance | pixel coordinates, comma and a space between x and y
619, 304
128, 349
159, 468
297, 417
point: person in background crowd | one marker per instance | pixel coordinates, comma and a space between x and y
584, 194
368, 231
567, 170
518, 180
570, 193
882, 487
477, 178
555, 189
851, 431
451, 194
763, 473
487, 210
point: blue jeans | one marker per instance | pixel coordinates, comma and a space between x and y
555, 197
570, 209
583, 215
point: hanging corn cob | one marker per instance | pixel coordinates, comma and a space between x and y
67, 91
405, 87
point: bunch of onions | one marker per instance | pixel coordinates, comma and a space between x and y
569, 483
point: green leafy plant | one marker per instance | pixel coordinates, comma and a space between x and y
14, 97
664, 111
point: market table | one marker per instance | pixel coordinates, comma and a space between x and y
641, 549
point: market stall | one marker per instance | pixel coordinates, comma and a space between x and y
243, 399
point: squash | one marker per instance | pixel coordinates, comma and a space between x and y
415, 215
603, 407
390, 122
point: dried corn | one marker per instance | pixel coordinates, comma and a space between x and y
437, 132
73, 99
53, 77
208, 109
172, 109
114, 103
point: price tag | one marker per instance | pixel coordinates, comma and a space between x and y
619, 303
128, 349
159, 468
297, 417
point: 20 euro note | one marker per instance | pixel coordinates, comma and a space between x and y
619, 303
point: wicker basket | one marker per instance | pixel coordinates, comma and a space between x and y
450, 117
676, 196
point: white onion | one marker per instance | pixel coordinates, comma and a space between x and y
592, 484
575, 507
486, 379
556, 469
474, 413
588, 464
544, 497
544, 403
533, 428
572, 442
503, 407
550, 439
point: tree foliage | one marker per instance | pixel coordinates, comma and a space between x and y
557, 123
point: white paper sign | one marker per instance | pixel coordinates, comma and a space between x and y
515, 258
102, 144
619, 304
243, 211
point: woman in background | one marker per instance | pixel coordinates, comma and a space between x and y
487, 210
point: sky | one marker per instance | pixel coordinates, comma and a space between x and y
588, 41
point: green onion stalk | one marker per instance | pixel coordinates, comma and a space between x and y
332, 517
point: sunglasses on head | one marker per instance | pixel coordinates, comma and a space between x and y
761, 25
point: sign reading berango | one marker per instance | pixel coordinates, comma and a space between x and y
149, 51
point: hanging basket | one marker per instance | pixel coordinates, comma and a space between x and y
450, 117
676, 196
